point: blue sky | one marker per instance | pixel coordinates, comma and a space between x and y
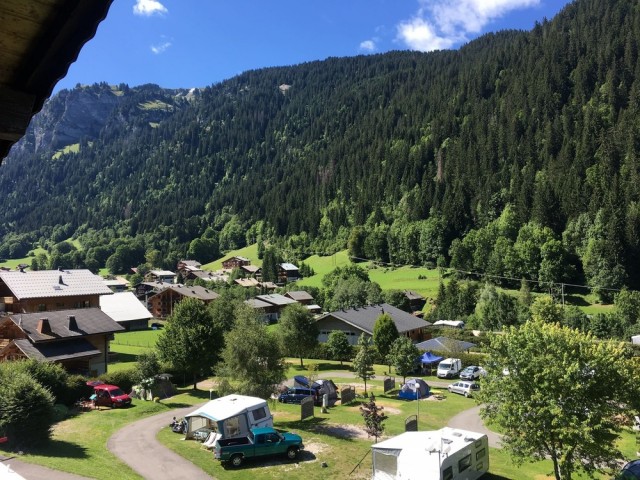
195, 43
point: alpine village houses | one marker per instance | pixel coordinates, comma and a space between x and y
55, 316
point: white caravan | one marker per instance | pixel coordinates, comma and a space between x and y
230, 416
446, 454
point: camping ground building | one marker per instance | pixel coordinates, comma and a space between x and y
356, 321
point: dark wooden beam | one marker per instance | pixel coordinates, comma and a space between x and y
15, 115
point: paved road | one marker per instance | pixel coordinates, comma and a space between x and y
35, 472
137, 446
470, 420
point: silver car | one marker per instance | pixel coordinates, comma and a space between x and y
464, 388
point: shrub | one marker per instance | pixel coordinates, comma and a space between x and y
26, 411
124, 379
51, 376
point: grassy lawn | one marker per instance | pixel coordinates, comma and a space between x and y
250, 252
335, 438
79, 443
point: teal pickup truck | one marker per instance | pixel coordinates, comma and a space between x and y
260, 442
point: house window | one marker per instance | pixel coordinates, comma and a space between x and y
42, 307
464, 463
447, 474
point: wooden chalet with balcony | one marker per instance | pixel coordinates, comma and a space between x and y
162, 304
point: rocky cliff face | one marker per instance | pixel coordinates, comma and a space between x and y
83, 112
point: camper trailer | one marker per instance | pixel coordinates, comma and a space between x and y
449, 368
447, 454
229, 417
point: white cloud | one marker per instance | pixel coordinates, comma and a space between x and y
442, 23
148, 8
159, 48
421, 35
368, 45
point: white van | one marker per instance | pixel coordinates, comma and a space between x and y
449, 367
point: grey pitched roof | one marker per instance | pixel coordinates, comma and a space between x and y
54, 283
289, 267
299, 295
191, 263
444, 344
56, 351
162, 273
90, 321
411, 295
365, 318
195, 291
124, 307
255, 303
276, 299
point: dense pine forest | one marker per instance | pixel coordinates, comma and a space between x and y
516, 155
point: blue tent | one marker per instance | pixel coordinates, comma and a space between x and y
414, 389
428, 358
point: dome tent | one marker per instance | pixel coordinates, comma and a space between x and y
414, 389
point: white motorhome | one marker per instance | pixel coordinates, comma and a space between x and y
446, 454
449, 367
230, 416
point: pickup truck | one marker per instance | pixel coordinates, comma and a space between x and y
260, 442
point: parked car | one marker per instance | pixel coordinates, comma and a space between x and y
110, 396
464, 388
472, 372
296, 395
264, 441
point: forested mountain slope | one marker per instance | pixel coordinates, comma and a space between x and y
524, 143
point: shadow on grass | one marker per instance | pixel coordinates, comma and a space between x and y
61, 449
322, 367
576, 300
119, 357
491, 476
319, 425
256, 463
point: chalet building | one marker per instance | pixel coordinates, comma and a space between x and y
76, 339
235, 262
50, 290
164, 276
188, 264
127, 310
204, 275
162, 304
247, 282
144, 290
251, 271
300, 296
288, 272
416, 301
268, 312
118, 284
305, 299
278, 301
356, 321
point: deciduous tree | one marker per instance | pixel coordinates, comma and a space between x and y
190, 341
562, 397
363, 363
252, 358
338, 346
297, 331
